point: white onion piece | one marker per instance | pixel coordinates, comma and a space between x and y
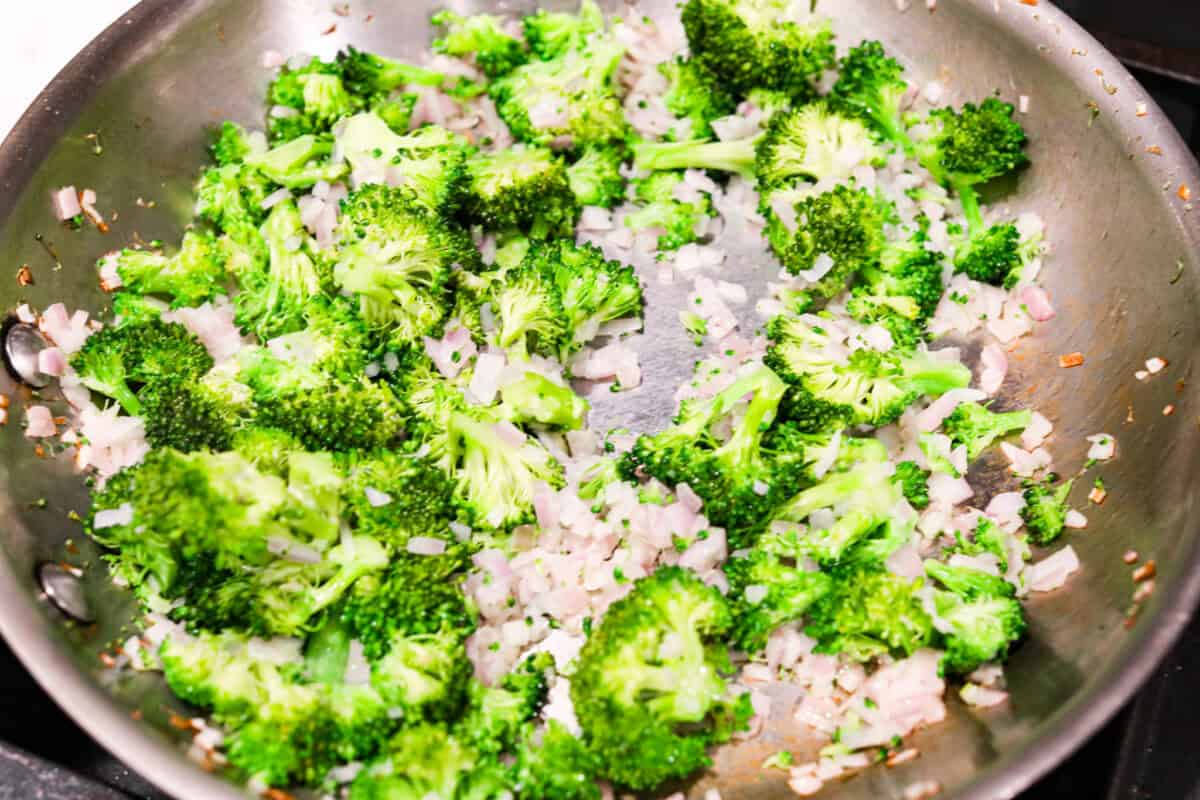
425, 546
39, 422
1037, 302
1052, 572
66, 203
929, 419
994, 366
110, 517
1104, 446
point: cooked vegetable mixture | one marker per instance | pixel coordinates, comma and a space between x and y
341, 441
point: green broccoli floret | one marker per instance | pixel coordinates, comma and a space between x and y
870, 612
740, 481
736, 156
552, 764
524, 188
870, 85
874, 388
989, 539
978, 617
187, 414
299, 163
483, 37
753, 44
338, 416
552, 33
1045, 511
902, 293
231, 198
842, 224
495, 479
397, 259
431, 161
695, 96
394, 496
371, 75
812, 143
118, 362
414, 596
659, 208
496, 715
590, 288
765, 593
861, 493
231, 143
273, 298
424, 676
977, 428
973, 146
571, 96
528, 308
426, 761
648, 686
195, 274
595, 176
914, 482
129, 308
316, 96
537, 399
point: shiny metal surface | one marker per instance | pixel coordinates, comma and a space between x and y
62, 588
22, 343
1124, 279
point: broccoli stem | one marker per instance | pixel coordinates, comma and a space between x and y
736, 156
969, 198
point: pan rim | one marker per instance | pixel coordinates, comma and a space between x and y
31, 635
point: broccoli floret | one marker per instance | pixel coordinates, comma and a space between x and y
977, 428
397, 259
648, 686
812, 143
188, 414
118, 362
431, 161
394, 496
973, 146
842, 224
695, 96
595, 176
231, 143
272, 299
740, 482
978, 617
529, 313
317, 96
914, 482
414, 596
765, 593
862, 494
902, 292
590, 288
990, 540
525, 188
552, 764
870, 612
873, 388
299, 163
369, 74
571, 96
231, 198
552, 33
338, 416
195, 274
535, 398
752, 44
483, 37
129, 308
659, 208
426, 761
1045, 511
424, 676
496, 715
870, 85
495, 478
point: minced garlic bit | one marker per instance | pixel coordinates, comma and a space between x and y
1168, 409
1141, 374
1071, 360
1184, 193
896, 759
1154, 150
1130, 557
1097, 495
925, 789
1141, 110
1155, 365
1145, 572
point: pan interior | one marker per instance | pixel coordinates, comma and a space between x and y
1122, 275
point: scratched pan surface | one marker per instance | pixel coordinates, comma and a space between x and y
155, 79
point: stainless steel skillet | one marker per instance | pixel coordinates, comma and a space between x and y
1124, 279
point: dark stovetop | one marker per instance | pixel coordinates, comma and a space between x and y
1147, 751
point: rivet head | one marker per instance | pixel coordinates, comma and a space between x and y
22, 343
64, 591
